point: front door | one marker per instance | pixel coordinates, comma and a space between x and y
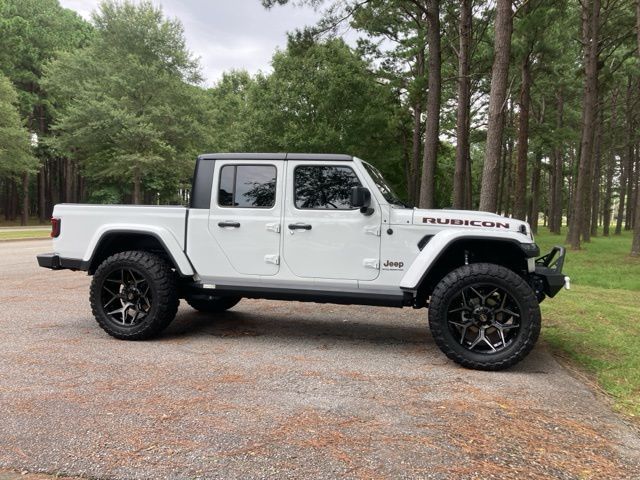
245, 214
325, 237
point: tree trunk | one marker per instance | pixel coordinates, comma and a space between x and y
432, 125
82, 186
406, 162
497, 95
49, 189
636, 185
622, 193
68, 180
591, 11
42, 203
11, 201
464, 106
414, 168
468, 198
520, 192
626, 164
611, 163
508, 196
505, 187
595, 175
24, 217
7, 199
136, 200
535, 193
630, 154
555, 222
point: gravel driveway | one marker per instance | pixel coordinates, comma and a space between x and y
277, 390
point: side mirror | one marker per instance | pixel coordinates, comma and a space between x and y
361, 197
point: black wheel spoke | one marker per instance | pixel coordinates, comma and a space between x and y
508, 312
477, 340
478, 294
132, 290
501, 333
461, 309
115, 297
502, 326
483, 317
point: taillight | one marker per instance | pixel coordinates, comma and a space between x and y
56, 224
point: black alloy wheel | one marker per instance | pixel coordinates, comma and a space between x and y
133, 295
484, 316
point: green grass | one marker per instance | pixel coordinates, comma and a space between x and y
597, 323
23, 234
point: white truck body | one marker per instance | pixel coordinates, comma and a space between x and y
320, 228
344, 250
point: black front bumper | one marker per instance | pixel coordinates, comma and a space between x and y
548, 273
56, 262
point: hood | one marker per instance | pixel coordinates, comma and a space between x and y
468, 219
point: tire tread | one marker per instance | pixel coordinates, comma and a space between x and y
165, 284
480, 272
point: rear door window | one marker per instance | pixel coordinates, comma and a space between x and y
247, 186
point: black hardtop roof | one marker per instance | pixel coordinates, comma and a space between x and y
277, 156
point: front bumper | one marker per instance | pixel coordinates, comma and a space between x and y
548, 272
56, 262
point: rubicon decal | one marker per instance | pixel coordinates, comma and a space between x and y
462, 222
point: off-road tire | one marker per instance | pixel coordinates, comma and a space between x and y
215, 305
162, 290
484, 273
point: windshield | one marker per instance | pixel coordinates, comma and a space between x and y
387, 192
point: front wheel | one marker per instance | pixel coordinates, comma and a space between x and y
484, 316
133, 295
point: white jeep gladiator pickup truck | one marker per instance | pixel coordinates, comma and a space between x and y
306, 227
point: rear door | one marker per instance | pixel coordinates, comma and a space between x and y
325, 236
246, 213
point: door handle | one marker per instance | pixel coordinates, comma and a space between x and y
299, 226
229, 224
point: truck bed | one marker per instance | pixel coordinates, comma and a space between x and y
84, 224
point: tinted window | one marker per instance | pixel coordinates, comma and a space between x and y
324, 187
247, 186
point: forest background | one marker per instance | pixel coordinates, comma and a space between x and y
526, 108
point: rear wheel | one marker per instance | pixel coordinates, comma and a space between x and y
213, 304
133, 295
484, 316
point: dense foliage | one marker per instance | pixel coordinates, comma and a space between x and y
526, 107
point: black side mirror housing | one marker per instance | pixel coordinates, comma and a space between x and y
361, 197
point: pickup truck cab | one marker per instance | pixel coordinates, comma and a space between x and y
311, 227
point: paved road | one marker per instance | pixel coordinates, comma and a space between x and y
278, 390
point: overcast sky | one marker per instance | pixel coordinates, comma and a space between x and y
227, 34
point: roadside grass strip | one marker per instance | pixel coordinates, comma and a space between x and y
596, 325
23, 234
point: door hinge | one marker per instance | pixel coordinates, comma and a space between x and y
274, 259
372, 230
273, 227
371, 263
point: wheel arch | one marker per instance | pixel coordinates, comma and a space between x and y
162, 243
449, 250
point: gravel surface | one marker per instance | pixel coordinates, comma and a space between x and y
277, 390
